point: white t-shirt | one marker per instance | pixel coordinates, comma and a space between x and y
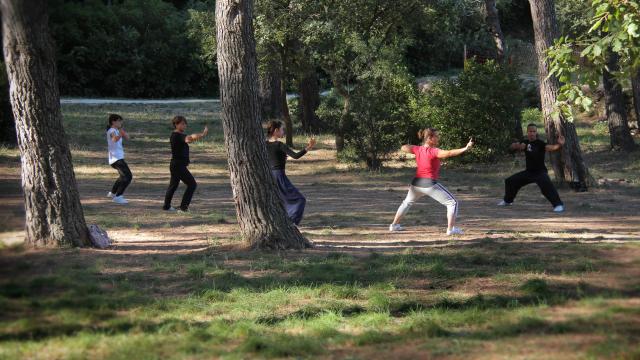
116, 152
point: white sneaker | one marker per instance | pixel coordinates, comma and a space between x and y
120, 200
110, 194
170, 209
395, 227
504, 203
558, 209
455, 231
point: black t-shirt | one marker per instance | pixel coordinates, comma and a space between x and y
534, 154
278, 152
179, 149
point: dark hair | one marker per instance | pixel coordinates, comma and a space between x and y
177, 120
426, 133
532, 124
272, 126
113, 118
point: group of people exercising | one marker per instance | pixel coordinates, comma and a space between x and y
425, 182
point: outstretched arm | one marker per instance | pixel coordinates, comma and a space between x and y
195, 137
517, 146
299, 154
407, 148
443, 154
555, 147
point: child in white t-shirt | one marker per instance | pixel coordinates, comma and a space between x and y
115, 133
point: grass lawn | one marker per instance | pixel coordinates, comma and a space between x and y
522, 282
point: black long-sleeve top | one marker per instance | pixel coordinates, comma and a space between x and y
278, 152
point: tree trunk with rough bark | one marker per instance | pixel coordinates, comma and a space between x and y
271, 106
616, 109
493, 23
263, 221
54, 216
286, 115
635, 86
568, 164
309, 101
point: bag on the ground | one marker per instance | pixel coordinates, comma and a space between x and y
99, 237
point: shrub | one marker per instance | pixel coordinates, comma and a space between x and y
483, 102
380, 115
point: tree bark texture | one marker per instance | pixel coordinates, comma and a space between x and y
568, 164
271, 105
493, 23
263, 221
54, 215
286, 115
616, 110
635, 86
309, 101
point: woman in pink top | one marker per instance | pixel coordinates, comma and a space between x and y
426, 180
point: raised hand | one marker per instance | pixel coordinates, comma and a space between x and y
470, 143
311, 144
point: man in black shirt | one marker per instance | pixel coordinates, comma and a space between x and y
534, 151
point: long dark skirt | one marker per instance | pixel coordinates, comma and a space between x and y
292, 199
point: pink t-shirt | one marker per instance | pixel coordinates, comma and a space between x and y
428, 164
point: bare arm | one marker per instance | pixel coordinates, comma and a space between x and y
195, 137
115, 137
443, 154
407, 148
555, 147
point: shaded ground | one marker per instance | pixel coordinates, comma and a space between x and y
523, 282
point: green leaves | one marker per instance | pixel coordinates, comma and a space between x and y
614, 28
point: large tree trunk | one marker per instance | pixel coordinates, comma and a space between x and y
263, 221
54, 215
271, 105
493, 23
309, 101
568, 164
286, 115
619, 134
635, 86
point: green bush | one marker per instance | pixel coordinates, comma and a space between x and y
483, 102
532, 116
145, 48
380, 115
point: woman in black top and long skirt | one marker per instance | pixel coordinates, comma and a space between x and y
292, 199
179, 162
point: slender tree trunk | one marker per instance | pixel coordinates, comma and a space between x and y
568, 164
263, 221
271, 105
309, 101
493, 22
619, 133
346, 108
286, 115
635, 85
54, 216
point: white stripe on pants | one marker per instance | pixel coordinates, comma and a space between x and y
437, 192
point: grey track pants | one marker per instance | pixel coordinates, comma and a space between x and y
437, 192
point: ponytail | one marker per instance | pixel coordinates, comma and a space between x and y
272, 126
426, 133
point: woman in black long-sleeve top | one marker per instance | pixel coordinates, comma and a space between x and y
292, 199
